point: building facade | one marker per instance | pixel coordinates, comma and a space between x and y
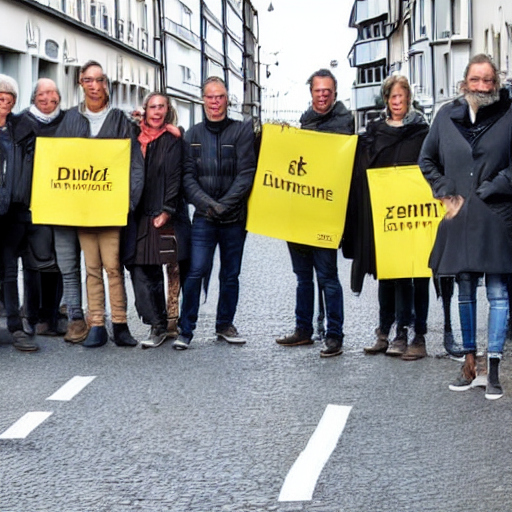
143, 45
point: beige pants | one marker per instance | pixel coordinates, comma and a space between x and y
101, 251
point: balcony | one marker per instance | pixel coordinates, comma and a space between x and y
368, 51
366, 96
369, 9
182, 33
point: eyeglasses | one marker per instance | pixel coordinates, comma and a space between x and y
476, 79
215, 98
87, 80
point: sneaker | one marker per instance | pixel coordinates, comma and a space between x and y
182, 342
467, 375
77, 331
332, 347
493, 390
156, 338
23, 343
299, 337
416, 350
380, 345
399, 345
230, 335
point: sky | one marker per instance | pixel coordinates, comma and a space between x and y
305, 35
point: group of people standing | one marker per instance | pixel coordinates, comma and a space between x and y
464, 156
211, 166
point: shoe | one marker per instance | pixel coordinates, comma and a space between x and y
23, 343
44, 329
122, 336
77, 331
381, 345
157, 337
299, 337
399, 345
172, 328
230, 335
467, 375
28, 328
182, 342
480, 381
332, 347
493, 390
416, 349
97, 337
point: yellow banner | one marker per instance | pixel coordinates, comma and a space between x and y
301, 187
81, 182
405, 221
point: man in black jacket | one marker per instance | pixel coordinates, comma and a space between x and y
325, 115
218, 174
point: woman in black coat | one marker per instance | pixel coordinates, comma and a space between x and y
160, 220
393, 140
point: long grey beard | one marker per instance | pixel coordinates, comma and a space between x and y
482, 99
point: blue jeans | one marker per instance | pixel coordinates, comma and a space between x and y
205, 236
324, 262
497, 295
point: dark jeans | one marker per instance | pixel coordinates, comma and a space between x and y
42, 295
15, 231
148, 287
205, 237
397, 298
305, 259
497, 295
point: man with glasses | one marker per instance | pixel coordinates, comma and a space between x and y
466, 159
96, 118
218, 174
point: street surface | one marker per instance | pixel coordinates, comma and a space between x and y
218, 428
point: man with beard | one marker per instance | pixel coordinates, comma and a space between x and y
466, 160
325, 115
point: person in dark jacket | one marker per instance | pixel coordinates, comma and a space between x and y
325, 115
101, 245
14, 213
393, 140
42, 280
218, 175
162, 148
466, 159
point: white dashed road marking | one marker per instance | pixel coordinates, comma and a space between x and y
71, 388
25, 425
32, 420
300, 482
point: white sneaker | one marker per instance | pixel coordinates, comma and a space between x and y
231, 336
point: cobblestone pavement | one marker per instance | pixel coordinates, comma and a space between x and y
217, 428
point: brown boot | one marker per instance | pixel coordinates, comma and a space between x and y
381, 344
416, 350
77, 331
399, 345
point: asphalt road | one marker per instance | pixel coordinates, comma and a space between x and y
218, 427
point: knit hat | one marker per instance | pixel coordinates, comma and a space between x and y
9, 86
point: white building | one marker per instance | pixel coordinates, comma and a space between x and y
53, 38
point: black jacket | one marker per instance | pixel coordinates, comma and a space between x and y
337, 120
26, 129
117, 125
474, 161
219, 169
381, 146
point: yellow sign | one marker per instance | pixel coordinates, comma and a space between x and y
81, 182
405, 221
301, 187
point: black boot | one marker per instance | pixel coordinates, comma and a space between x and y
122, 336
493, 391
97, 337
